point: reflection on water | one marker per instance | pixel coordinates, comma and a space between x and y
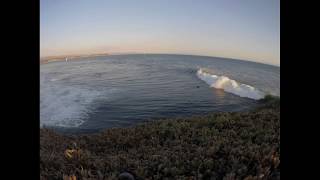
219, 92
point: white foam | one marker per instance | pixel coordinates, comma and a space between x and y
67, 105
229, 85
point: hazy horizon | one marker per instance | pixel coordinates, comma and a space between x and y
246, 30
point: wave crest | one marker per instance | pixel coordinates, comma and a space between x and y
229, 85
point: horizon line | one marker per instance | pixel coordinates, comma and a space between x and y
136, 53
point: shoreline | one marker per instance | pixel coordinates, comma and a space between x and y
49, 59
221, 145
62, 57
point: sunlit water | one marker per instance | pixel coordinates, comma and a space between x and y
90, 94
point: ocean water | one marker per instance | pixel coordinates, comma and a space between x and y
91, 94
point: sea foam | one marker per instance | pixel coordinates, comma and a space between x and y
67, 105
229, 85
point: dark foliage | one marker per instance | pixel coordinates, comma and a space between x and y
242, 145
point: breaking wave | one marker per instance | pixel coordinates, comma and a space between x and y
229, 85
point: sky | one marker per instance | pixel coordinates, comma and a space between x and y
240, 29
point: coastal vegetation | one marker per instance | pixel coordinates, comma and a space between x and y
232, 145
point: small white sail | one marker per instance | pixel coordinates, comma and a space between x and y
66, 59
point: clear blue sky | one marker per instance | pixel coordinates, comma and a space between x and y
242, 29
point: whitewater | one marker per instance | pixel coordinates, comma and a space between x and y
229, 85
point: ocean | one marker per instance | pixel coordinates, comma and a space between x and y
89, 94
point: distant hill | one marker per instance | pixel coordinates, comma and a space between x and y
48, 59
